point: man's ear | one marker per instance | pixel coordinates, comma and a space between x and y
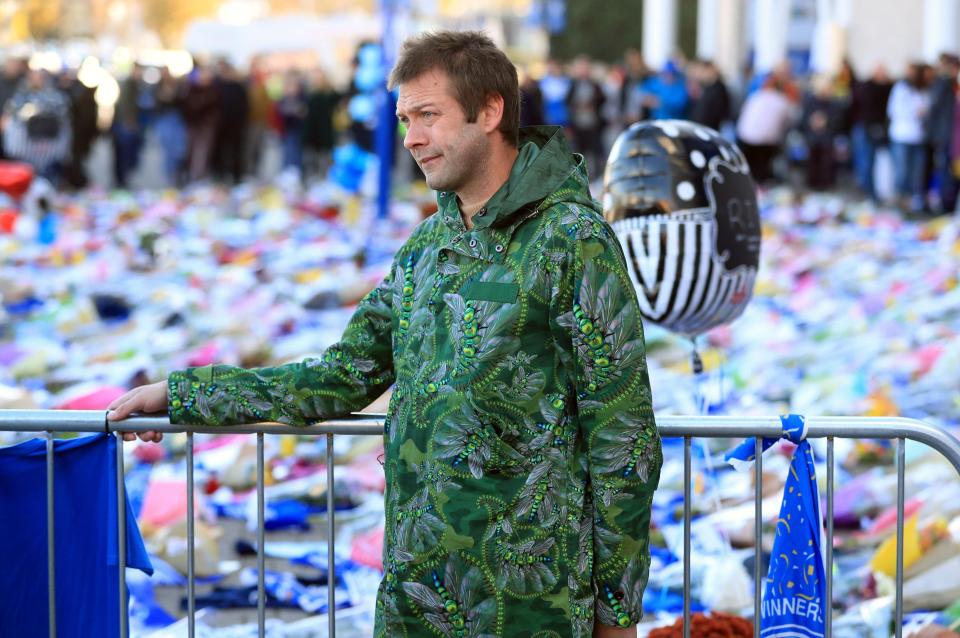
492, 113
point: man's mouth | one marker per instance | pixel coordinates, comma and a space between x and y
426, 160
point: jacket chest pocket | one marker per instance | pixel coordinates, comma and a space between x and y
496, 292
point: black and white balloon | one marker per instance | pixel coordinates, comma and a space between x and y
684, 207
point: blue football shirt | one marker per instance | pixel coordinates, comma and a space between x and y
85, 500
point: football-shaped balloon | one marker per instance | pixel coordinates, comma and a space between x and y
684, 207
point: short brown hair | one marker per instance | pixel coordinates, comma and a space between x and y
477, 70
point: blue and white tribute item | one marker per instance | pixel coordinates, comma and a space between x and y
794, 596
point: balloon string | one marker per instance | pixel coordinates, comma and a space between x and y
700, 398
696, 363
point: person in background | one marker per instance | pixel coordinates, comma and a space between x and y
555, 87
908, 108
126, 130
292, 111
869, 132
585, 107
636, 73
665, 94
232, 125
939, 131
955, 141
612, 114
319, 134
83, 127
531, 100
782, 76
11, 75
762, 127
712, 106
169, 125
36, 125
258, 123
841, 91
201, 112
819, 125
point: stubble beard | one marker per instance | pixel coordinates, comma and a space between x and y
460, 167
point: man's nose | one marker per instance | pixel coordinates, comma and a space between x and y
414, 137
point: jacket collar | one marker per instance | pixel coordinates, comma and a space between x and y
542, 165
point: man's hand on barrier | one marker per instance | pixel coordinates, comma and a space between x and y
146, 398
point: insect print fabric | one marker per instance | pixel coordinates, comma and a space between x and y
521, 452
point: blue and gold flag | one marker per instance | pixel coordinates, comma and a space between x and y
795, 592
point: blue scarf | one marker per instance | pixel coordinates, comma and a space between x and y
795, 592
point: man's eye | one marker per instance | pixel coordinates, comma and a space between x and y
427, 115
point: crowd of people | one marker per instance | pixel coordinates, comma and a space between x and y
830, 126
210, 124
213, 122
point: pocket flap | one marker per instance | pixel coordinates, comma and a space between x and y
491, 291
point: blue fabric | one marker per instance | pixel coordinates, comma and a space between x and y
672, 97
85, 497
556, 90
794, 430
793, 599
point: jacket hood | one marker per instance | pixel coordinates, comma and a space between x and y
545, 170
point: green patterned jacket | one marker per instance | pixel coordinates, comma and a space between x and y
521, 453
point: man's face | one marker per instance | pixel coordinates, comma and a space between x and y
11, 67
36, 80
449, 150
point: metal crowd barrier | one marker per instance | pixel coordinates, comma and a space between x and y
687, 427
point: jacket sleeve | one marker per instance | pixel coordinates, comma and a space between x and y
347, 377
616, 423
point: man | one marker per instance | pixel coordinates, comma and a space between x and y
585, 105
712, 106
127, 130
521, 451
939, 124
665, 94
555, 88
229, 142
870, 125
83, 126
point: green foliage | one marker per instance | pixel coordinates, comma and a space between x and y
605, 30
602, 31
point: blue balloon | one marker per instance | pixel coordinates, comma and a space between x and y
369, 78
350, 162
370, 56
361, 107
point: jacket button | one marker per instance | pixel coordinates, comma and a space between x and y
473, 243
481, 212
499, 248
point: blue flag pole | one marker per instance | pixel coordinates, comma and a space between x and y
387, 122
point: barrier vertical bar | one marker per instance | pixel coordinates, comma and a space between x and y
121, 538
758, 532
191, 574
687, 515
51, 543
829, 567
261, 596
901, 455
331, 564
